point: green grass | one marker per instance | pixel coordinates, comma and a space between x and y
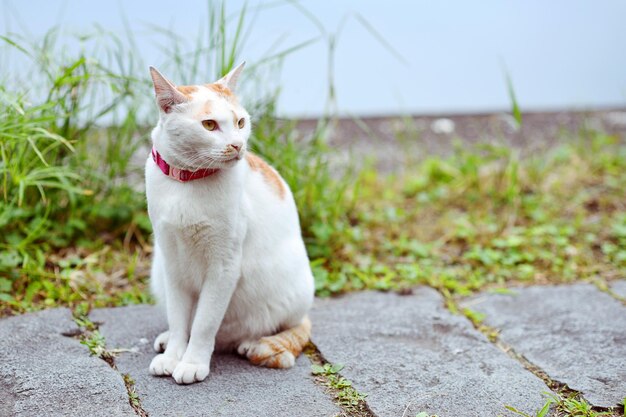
75, 228
66, 213
133, 397
486, 217
565, 406
351, 401
345, 394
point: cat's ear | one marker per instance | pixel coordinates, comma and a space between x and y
167, 95
230, 79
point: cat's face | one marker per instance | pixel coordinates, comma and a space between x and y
200, 126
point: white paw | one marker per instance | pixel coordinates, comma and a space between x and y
188, 373
160, 343
244, 347
163, 365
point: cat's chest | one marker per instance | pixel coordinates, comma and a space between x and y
200, 234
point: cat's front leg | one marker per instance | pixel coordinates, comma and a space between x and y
213, 300
179, 306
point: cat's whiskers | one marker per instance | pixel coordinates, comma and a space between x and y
197, 159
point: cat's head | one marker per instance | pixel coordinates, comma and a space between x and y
200, 126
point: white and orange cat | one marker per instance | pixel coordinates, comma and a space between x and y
229, 263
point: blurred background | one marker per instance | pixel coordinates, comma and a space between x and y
458, 145
400, 57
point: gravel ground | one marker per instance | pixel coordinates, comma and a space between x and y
399, 141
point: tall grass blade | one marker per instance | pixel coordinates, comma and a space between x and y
515, 109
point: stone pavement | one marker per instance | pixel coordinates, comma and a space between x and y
408, 353
576, 334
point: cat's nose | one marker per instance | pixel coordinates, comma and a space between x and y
235, 146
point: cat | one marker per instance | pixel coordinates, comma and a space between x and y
230, 265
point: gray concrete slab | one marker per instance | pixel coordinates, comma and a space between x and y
44, 373
619, 288
410, 354
234, 387
575, 333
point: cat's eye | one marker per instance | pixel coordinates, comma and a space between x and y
209, 124
241, 123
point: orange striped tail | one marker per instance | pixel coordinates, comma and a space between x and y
279, 350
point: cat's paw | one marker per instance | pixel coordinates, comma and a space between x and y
163, 365
188, 373
160, 343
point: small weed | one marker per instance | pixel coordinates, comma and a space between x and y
474, 316
541, 413
96, 344
477, 320
133, 396
566, 406
81, 318
326, 369
345, 394
91, 337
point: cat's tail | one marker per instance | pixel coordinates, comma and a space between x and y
279, 350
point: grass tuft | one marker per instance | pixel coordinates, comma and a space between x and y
351, 401
74, 221
567, 406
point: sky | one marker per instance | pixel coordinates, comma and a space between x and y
422, 57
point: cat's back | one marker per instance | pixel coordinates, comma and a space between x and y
265, 185
269, 203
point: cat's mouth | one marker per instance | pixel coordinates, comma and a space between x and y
228, 161
224, 160
234, 158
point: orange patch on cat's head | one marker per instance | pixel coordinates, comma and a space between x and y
205, 110
222, 91
187, 90
270, 176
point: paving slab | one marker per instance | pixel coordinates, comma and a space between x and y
410, 354
575, 333
44, 373
234, 386
619, 288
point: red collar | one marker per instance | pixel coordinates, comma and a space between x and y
180, 174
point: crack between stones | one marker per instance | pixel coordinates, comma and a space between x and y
86, 331
492, 335
356, 408
602, 285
